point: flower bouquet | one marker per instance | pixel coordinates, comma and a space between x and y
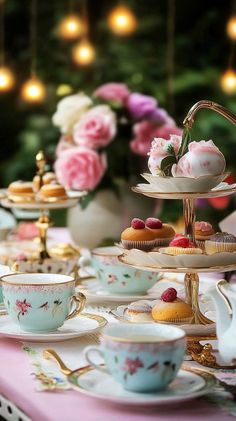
105, 137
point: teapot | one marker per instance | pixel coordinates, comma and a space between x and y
224, 298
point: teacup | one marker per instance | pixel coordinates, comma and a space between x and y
41, 302
142, 358
116, 277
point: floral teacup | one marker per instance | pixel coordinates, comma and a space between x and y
116, 277
143, 358
41, 302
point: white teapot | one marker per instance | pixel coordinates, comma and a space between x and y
224, 298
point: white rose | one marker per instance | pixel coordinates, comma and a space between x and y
69, 111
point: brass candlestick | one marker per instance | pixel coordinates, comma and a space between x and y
40, 164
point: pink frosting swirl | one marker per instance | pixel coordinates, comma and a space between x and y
203, 226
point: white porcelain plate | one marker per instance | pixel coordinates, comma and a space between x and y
94, 293
223, 189
121, 314
72, 200
79, 326
187, 385
184, 184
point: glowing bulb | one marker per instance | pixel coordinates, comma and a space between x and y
231, 27
228, 82
71, 27
6, 79
33, 90
122, 21
83, 53
64, 89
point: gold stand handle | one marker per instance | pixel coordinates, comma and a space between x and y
79, 299
43, 224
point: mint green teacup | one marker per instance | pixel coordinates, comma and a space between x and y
41, 302
116, 277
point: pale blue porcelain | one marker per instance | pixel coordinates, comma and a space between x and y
141, 365
4, 270
118, 278
40, 302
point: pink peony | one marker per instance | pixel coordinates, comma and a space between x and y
65, 142
202, 158
141, 106
159, 151
117, 92
27, 231
96, 128
80, 168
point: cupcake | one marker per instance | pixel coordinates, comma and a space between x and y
138, 236
140, 311
164, 233
171, 309
220, 242
203, 231
180, 245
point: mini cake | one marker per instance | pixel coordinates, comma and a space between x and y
203, 231
48, 178
138, 236
140, 311
19, 188
164, 233
52, 191
220, 242
180, 245
171, 309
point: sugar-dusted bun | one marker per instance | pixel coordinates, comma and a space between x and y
140, 311
20, 187
52, 190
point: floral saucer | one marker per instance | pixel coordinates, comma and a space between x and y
94, 293
81, 325
188, 384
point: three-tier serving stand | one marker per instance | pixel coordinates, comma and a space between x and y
198, 352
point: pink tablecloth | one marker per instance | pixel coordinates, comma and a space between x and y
18, 385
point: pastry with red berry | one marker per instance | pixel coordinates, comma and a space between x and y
138, 236
180, 245
171, 309
164, 233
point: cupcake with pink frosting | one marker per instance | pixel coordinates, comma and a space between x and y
203, 231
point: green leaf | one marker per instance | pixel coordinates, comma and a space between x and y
166, 164
186, 139
170, 150
126, 275
84, 202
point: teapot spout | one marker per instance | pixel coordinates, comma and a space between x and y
223, 310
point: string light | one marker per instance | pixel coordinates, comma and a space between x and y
7, 79
122, 21
64, 89
83, 53
33, 90
71, 27
231, 27
228, 81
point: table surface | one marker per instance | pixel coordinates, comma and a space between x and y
18, 385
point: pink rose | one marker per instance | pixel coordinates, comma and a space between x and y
80, 168
159, 151
27, 231
117, 92
202, 158
96, 128
64, 143
145, 131
141, 106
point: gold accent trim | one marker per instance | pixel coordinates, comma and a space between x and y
2, 279
182, 195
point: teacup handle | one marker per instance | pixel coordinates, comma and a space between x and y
77, 305
94, 349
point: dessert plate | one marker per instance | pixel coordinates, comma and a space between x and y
184, 184
157, 260
81, 325
120, 313
223, 189
187, 385
94, 293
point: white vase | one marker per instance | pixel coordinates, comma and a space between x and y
106, 216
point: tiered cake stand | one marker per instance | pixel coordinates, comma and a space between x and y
191, 280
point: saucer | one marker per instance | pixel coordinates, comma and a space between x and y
188, 384
81, 325
94, 293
